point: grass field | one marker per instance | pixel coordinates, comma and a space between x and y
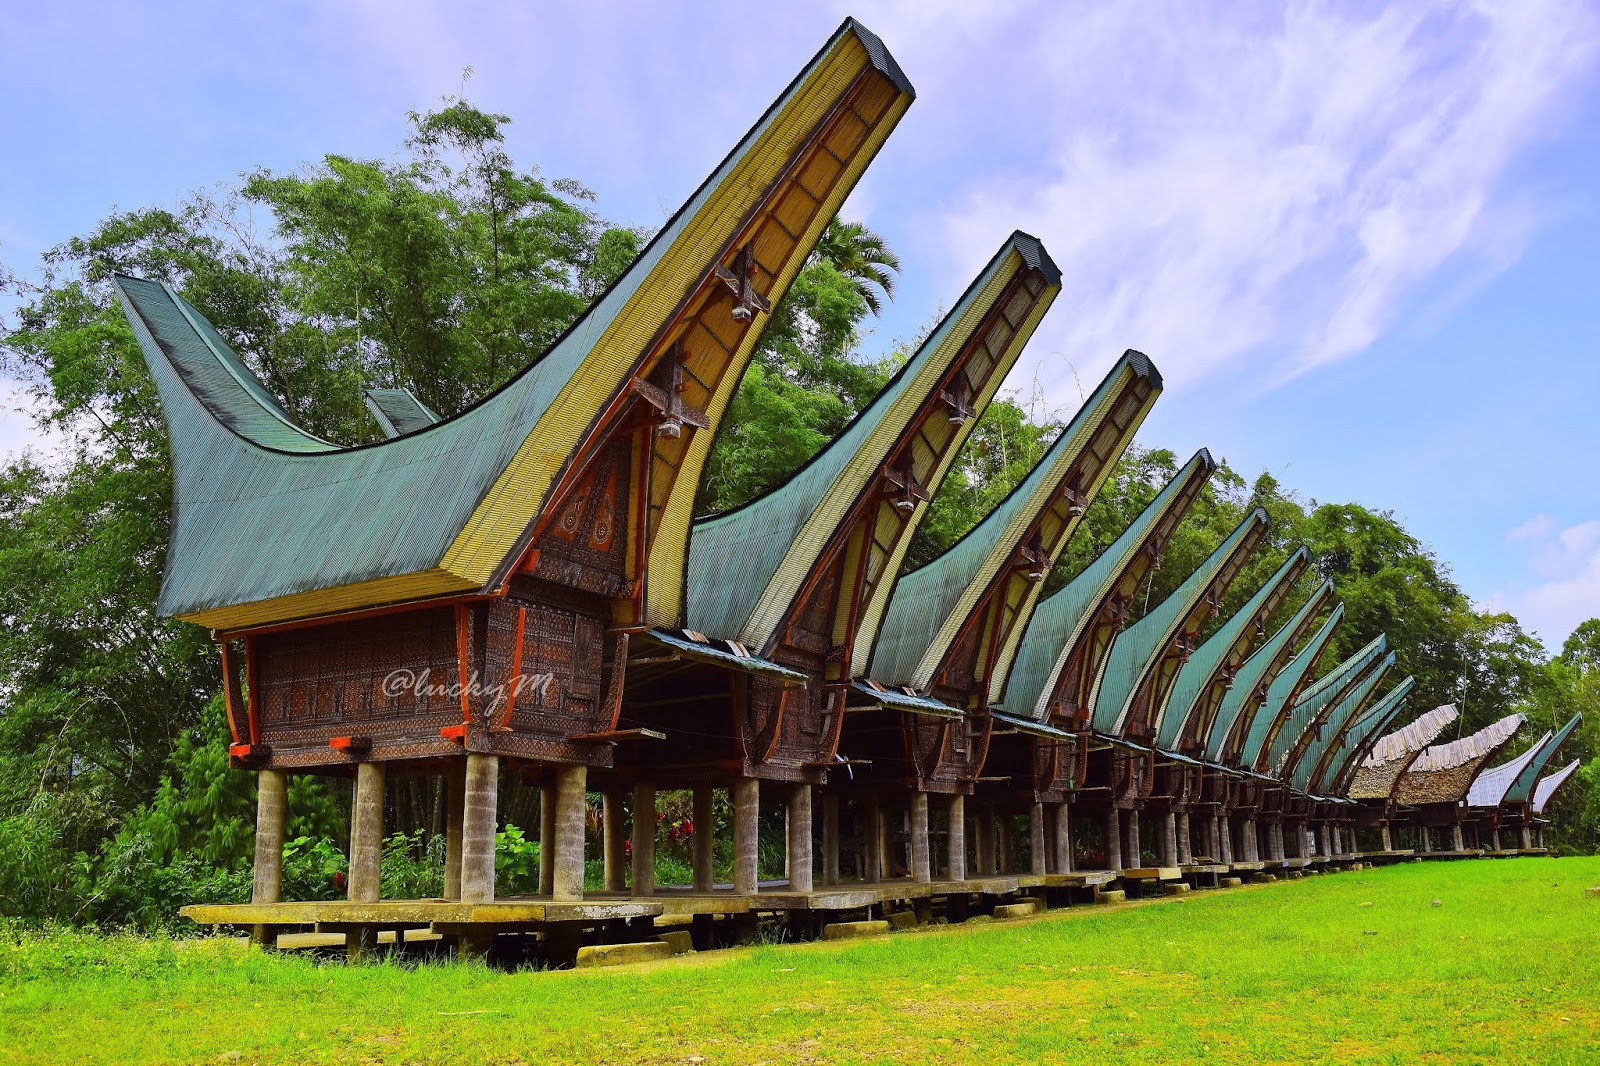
1505, 969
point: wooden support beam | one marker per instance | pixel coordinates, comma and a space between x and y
746, 811
366, 833
873, 816
1063, 838
455, 785
704, 840
644, 838
1036, 840
547, 840
801, 877
617, 736
613, 839
956, 839
479, 811
1113, 839
571, 781
830, 839
921, 864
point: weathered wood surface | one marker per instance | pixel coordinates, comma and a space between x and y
1152, 873
418, 911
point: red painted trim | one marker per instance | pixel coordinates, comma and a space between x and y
516, 672
463, 620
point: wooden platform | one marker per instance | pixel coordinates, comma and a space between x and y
1467, 853
1151, 873
394, 913
1250, 867
1080, 879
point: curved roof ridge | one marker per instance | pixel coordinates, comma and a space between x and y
1137, 649
746, 563
1254, 678
1318, 701
1550, 784
1334, 776
262, 535
1058, 620
1333, 729
1329, 716
1522, 788
1243, 626
1285, 688
1409, 740
928, 606
1460, 752
1490, 787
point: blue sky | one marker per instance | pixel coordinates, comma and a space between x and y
1360, 241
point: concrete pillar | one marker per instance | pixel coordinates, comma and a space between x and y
704, 838
1327, 845
571, 784
1225, 838
644, 838
1494, 838
272, 812
800, 861
873, 817
830, 839
366, 833
612, 836
1275, 840
547, 840
1113, 839
956, 839
921, 865
1036, 845
1388, 839
746, 809
983, 837
479, 812
1213, 850
1133, 853
1169, 840
1252, 840
1527, 839
1063, 838
1185, 841
455, 802
1456, 843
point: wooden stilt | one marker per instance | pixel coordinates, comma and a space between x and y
272, 808
612, 838
800, 859
366, 833
746, 812
921, 863
644, 838
1133, 850
571, 782
1185, 845
1006, 862
704, 838
455, 787
1388, 840
1113, 839
830, 839
479, 815
956, 839
983, 838
1169, 839
1064, 838
1456, 843
1036, 835
547, 840
874, 838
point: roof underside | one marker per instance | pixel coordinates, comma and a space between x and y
1257, 670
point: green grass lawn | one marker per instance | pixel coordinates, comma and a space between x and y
1506, 969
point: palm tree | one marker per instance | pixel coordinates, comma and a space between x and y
862, 256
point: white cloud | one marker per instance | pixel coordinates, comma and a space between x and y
1563, 566
1257, 195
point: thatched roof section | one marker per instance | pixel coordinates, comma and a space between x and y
1445, 772
1550, 784
1392, 754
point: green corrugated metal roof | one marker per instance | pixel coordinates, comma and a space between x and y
709, 653
1522, 788
923, 599
1358, 738
398, 411
1329, 732
262, 509
907, 701
1550, 783
1138, 648
1058, 621
1196, 675
1254, 671
1285, 685
1315, 703
734, 556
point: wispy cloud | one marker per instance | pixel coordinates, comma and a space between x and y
1563, 571
1249, 194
